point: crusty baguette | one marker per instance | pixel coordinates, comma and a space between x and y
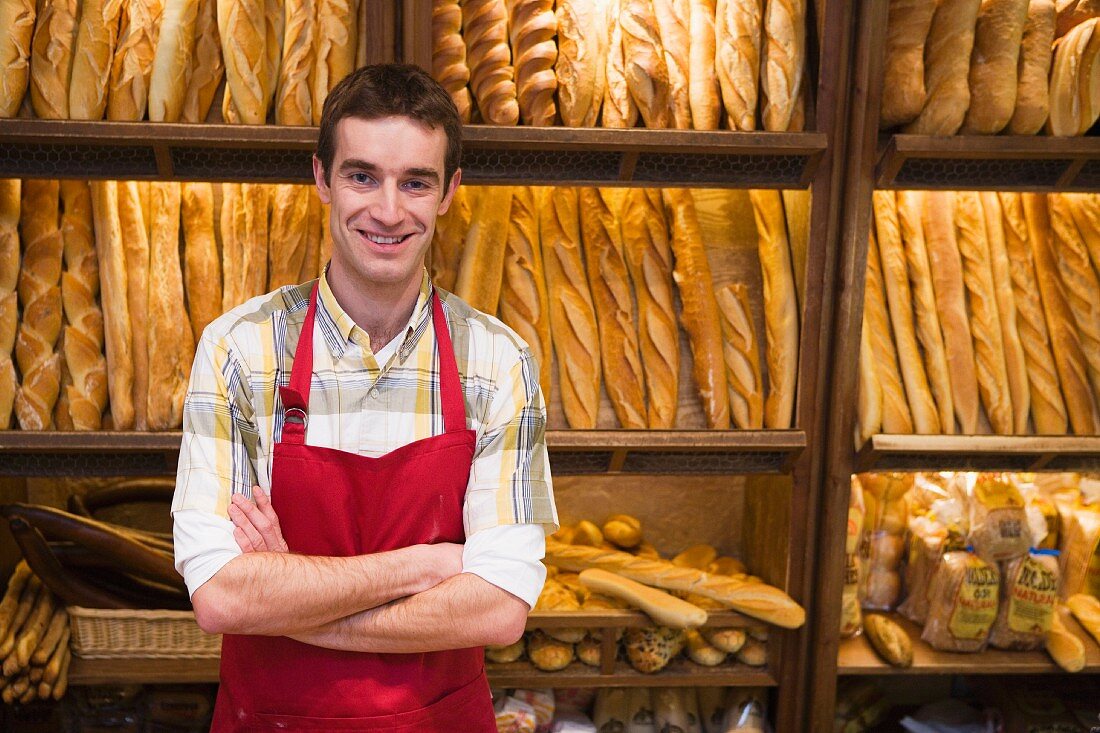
869, 406
938, 220
207, 69
705, 94
132, 66
287, 237
1088, 81
741, 349
646, 70
1081, 283
1074, 12
903, 91
581, 63
173, 60
1015, 361
895, 278
111, 251
52, 58
96, 38
896, 417
572, 315
311, 265
1086, 609
993, 65
1085, 209
1033, 70
231, 226
449, 54
609, 282
783, 58
780, 308
1066, 344
699, 308
324, 246
673, 23
663, 608
985, 321
135, 241
1047, 406
946, 67
242, 28
274, 30
202, 272
1065, 648
254, 238
1067, 114
619, 108
336, 48
448, 239
10, 192
738, 29
532, 27
479, 273
485, 31
649, 256
17, 21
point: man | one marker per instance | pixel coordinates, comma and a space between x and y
378, 423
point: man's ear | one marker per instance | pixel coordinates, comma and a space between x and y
450, 195
319, 178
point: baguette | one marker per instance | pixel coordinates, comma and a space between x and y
993, 65
254, 238
895, 279
903, 91
664, 609
10, 190
889, 640
738, 27
673, 19
985, 322
448, 238
96, 38
896, 417
704, 93
946, 67
1067, 115
136, 243
485, 31
524, 303
336, 48
202, 275
287, 238
324, 245
870, 404
938, 220
784, 56
242, 28
173, 59
231, 226
479, 273
699, 312
274, 30
1074, 12
581, 63
1086, 609
531, 28
1085, 210
1080, 282
449, 54
742, 353
1047, 406
572, 315
646, 69
52, 58
311, 265
619, 108
1033, 70
17, 21
609, 281
780, 308
128, 90
207, 68
1067, 651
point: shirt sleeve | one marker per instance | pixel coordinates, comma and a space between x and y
203, 544
509, 557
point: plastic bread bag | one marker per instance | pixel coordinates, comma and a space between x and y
746, 711
882, 547
1028, 597
962, 603
928, 540
543, 703
676, 709
572, 721
1081, 550
514, 716
1042, 514
851, 619
999, 528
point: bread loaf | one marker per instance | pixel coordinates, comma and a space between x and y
10, 190
202, 272
663, 608
962, 603
889, 640
1086, 609
311, 264
946, 67
17, 20
1066, 344
1033, 69
738, 27
287, 238
896, 417
646, 70
293, 96
448, 238
699, 311
255, 241
1080, 281
1088, 82
532, 28
705, 94
1067, 115
324, 252
485, 30
742, 352
336, 47
581, 63
1085, 210
231, 225
207, 69
1047, 406
1065, 648
993, 65
947, 280
242, 28
524, 304
479, 273
780, 308
274, 30
649, 257
96, 39
903, 91
1029, 597
51, 58
673, 23
870, 402
572, 315
895, 279
110, 249
784, 56
173, 60
449, 54
619, 109
132, 66
135, 242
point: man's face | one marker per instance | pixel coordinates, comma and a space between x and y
386, 189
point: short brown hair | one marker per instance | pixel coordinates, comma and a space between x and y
391, 90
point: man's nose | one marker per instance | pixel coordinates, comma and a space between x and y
386, 207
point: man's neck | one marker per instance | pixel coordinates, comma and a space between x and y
381, 311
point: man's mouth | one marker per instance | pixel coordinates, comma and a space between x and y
380, 239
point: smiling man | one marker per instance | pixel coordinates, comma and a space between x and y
363, 490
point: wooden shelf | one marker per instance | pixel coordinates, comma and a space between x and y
142, 671
105, 453
679, 673
856, 657
491, 155
1003, 163
979, 453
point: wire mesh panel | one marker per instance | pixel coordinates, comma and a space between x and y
64, 160
540, 166
702, 169
962, 173
243, 164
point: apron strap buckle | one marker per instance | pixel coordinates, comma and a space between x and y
295, 416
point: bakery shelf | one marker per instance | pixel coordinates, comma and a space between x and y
1002, 163
491, 155
979, 453
106, 453
856, 657
679, 673
145, 671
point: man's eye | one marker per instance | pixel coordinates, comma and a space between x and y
360, 177
417, 185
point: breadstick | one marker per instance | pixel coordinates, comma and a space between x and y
59, 622
32, 631
19, 578
27, 600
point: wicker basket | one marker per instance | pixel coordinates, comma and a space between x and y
102, 633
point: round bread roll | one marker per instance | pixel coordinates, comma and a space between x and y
623, 530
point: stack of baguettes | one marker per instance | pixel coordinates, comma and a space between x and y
983, 67
685, 64
166, 59
981, 315
605, 280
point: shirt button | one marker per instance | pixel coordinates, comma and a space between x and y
374, 393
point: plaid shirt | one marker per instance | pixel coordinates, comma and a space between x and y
233, 416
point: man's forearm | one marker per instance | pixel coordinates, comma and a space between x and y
464, 611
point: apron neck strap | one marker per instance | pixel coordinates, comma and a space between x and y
450, 388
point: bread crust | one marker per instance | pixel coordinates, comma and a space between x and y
202, 272
581, 63
1033, 70
242, 28
335, 37
646, 70
1080, 281
704, 93
619, 108
673, 22
993, 65
903, 91
17, 20
52, 59
174, 54
532, 28
10, 190
132, 66
896, 417
784, 56
207, 68
135, 242
449, 55
946, 68
479, 273
449, 238
287, 237
870, 405
96, 39
741, 349
485, 31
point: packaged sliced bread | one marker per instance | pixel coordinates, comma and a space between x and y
999, 528
962, 603
1028, 598
1081, 552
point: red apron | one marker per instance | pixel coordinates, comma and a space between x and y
341, 504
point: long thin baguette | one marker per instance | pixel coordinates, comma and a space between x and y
287, 238
128, 93
10, 193
173, 60
52, 58
663, 608
202, 272
479, 273
993, 65
17, 21
1080, 281
255, 199
336, 48
896, 417
231, 225
582, 58
738, 29
741, 349
869, 410
673, 22
136, 243
242, 27
784, 56
1085, 210
704, 92
96, 38
619, 108
449, 238
646, 69
311, 265
207, 67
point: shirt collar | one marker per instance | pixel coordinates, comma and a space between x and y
340, 330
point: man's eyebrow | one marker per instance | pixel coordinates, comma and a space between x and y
357, 164
430, 173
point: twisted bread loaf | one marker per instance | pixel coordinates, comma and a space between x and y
646, 70
619, 108
116, 312
10, 190
784, 56
17, 22
242, 27
287, 238
293, 95
896, 417
174, 59
903, 92
993, 65
673, 18
135, 243
532, 28
51, 58
1081, 284
96, 38
128, 90
582, 58
336, 48
704, 93
1033, 70
946, 66
449, 54
485, 31
742, 352
207, 67
738, 30
202, 272
448, 238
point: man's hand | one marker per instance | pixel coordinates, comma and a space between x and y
256, 525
